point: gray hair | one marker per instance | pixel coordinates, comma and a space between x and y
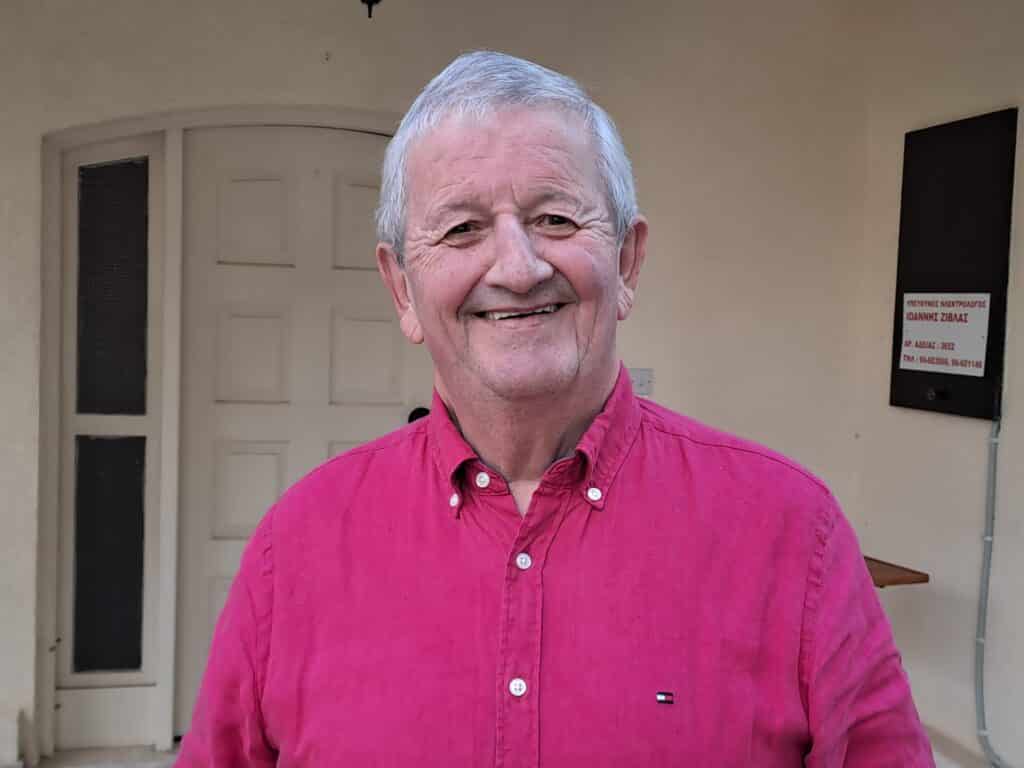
478, 84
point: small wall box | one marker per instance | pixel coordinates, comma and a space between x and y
953, 266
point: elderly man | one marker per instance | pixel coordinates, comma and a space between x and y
546, 571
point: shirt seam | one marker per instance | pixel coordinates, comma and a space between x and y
813, 589
256, 681
764, 454
265, 626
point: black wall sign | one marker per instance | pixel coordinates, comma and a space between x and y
955, 213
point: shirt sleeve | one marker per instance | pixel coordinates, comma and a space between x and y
227, 727
859, 705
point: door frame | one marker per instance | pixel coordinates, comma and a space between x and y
170, 128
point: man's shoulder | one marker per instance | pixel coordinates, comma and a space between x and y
343, 478
716, 454
393, 446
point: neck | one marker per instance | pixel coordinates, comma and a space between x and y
521, 438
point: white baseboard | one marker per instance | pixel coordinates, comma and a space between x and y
9, 738
104, 717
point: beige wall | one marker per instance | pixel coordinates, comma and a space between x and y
766, 152
923, 475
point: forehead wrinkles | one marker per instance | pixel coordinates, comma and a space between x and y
514, 150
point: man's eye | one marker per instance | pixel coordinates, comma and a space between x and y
460, 229
554, 220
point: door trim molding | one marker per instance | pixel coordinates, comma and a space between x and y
145, 425
171, 127
162, 709
365, 121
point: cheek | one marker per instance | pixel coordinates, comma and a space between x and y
444, 285
592, 277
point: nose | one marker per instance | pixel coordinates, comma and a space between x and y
516, 265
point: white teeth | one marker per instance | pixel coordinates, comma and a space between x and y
504, 315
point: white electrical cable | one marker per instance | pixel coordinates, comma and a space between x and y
986, 571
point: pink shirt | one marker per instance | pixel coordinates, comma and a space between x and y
673, 597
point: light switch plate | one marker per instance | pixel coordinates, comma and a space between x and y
643, 381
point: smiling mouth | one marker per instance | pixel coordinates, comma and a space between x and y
548, 309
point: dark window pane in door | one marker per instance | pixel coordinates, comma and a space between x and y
109, 535
113, 202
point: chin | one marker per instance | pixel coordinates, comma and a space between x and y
529, 381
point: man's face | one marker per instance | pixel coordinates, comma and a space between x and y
513, 275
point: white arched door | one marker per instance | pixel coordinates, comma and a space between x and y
291, 350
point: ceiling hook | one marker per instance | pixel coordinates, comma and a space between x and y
369, 7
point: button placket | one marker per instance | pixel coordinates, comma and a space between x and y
517, 732
518, 711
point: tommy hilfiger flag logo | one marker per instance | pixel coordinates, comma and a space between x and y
665, 697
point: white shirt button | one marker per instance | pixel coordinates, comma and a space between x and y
594, 494
483, 479
517, 687
454, 500
523, 561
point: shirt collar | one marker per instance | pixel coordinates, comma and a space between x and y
450, 448
609, 437
602, 448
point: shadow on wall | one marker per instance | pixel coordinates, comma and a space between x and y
927, 621
951, 754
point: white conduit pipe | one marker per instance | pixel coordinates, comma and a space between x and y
986, 571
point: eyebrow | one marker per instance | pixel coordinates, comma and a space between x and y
435, 216
557, 196
458, 205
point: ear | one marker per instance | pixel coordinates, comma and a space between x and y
397, 281
631, 259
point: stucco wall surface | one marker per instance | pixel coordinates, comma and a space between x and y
923, 476
765, 139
